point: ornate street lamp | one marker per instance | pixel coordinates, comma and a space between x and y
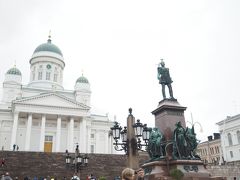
140, 131
129, 139
146, 133
76, 162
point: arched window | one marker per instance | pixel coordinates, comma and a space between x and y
33, 75
230, 139
238, 136
48, 74
40, 75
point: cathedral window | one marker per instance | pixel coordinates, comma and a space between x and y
55, 77
39, 75
48, 138
48, 75
33, 76
230, 139
231, 154
92, 149
238, 136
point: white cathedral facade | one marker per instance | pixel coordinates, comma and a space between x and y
43, 116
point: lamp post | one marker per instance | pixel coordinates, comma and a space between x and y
131, 138
77, 161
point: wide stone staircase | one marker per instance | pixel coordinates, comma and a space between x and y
52, 165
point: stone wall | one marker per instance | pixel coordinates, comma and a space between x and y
229, 170
41, 164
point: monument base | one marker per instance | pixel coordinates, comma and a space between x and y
167, 114
191, 169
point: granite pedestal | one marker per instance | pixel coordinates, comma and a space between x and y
167, 114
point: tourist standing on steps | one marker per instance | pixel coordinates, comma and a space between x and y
75, 177
14, 147
2, 177
7, 176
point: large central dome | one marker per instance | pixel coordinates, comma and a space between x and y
48, 47
47, 65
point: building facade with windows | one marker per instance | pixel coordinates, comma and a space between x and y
43, 116
210, 151
230, 137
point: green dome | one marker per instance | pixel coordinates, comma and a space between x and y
48, 47
15, 71
82, 79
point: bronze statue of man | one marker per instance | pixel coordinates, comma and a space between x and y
165, 79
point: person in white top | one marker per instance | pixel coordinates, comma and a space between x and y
75, 177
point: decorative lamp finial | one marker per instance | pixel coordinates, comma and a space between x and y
130, 111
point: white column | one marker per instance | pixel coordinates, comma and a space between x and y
28, 133
88, 139
98, 145
71, 133
106, 142
58, 134
83, 136
42, 135
14, 129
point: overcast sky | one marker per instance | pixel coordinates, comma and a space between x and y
118, 45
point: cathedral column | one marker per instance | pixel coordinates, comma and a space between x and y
58, 134
28, 132
98, 145
83, 135
110, 148
71, 133
14, 129
42, 134
89, 130
106, 142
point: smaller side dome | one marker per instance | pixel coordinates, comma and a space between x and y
14, 71
82, 79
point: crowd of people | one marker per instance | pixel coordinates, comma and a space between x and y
127, 174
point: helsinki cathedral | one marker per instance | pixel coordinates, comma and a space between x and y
43, 116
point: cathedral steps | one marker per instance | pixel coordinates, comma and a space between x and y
21, 164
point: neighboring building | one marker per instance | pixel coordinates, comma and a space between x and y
229, 129
210, 151
43, 116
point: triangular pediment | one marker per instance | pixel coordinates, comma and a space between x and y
51, 100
